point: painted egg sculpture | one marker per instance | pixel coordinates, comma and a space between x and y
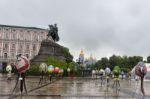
50, 69
43, 67
8, 68
107, 71
56, 70
22, 64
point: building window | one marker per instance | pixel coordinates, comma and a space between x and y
12, 55
27, 47
27, 55
13, 46
21, 36
28, 37
6, 35
5, 46
5, 55
35, 37
34, 47
14, 36
20, 47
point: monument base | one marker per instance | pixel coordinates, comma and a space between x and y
48, 49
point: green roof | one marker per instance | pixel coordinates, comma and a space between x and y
13, 26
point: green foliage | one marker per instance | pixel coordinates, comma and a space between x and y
148, 59
61, 64
125, 63
68, 56
125, 70
102, 63
34, 70
56, 63
72, 65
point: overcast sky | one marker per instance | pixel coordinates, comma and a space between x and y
99, 27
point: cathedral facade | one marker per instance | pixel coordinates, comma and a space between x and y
86, 62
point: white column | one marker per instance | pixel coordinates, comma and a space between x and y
2, 41
24, 34
9, 43
16, 42
45, 34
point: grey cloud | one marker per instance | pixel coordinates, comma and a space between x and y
104, 27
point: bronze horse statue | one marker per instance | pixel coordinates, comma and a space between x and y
141, 70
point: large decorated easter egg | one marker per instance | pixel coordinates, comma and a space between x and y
107, 70
116, 70
50, 69
43, 67
56, 70
22, 64
8, 68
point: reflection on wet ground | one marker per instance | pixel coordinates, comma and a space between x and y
77, 88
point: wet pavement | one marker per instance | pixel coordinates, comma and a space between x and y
68, 88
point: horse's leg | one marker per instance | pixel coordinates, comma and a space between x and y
142, 88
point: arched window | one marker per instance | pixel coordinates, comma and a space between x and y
13, 46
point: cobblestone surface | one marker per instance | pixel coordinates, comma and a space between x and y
77, 88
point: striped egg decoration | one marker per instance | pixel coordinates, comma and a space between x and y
43, 67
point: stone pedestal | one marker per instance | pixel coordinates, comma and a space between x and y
48, 48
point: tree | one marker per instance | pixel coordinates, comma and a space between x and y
104, 62
68, 56
113, 61
134, 60
148, 59
126, 63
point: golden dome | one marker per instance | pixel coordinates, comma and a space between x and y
82, 53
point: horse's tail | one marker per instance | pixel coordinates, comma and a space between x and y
142, 84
